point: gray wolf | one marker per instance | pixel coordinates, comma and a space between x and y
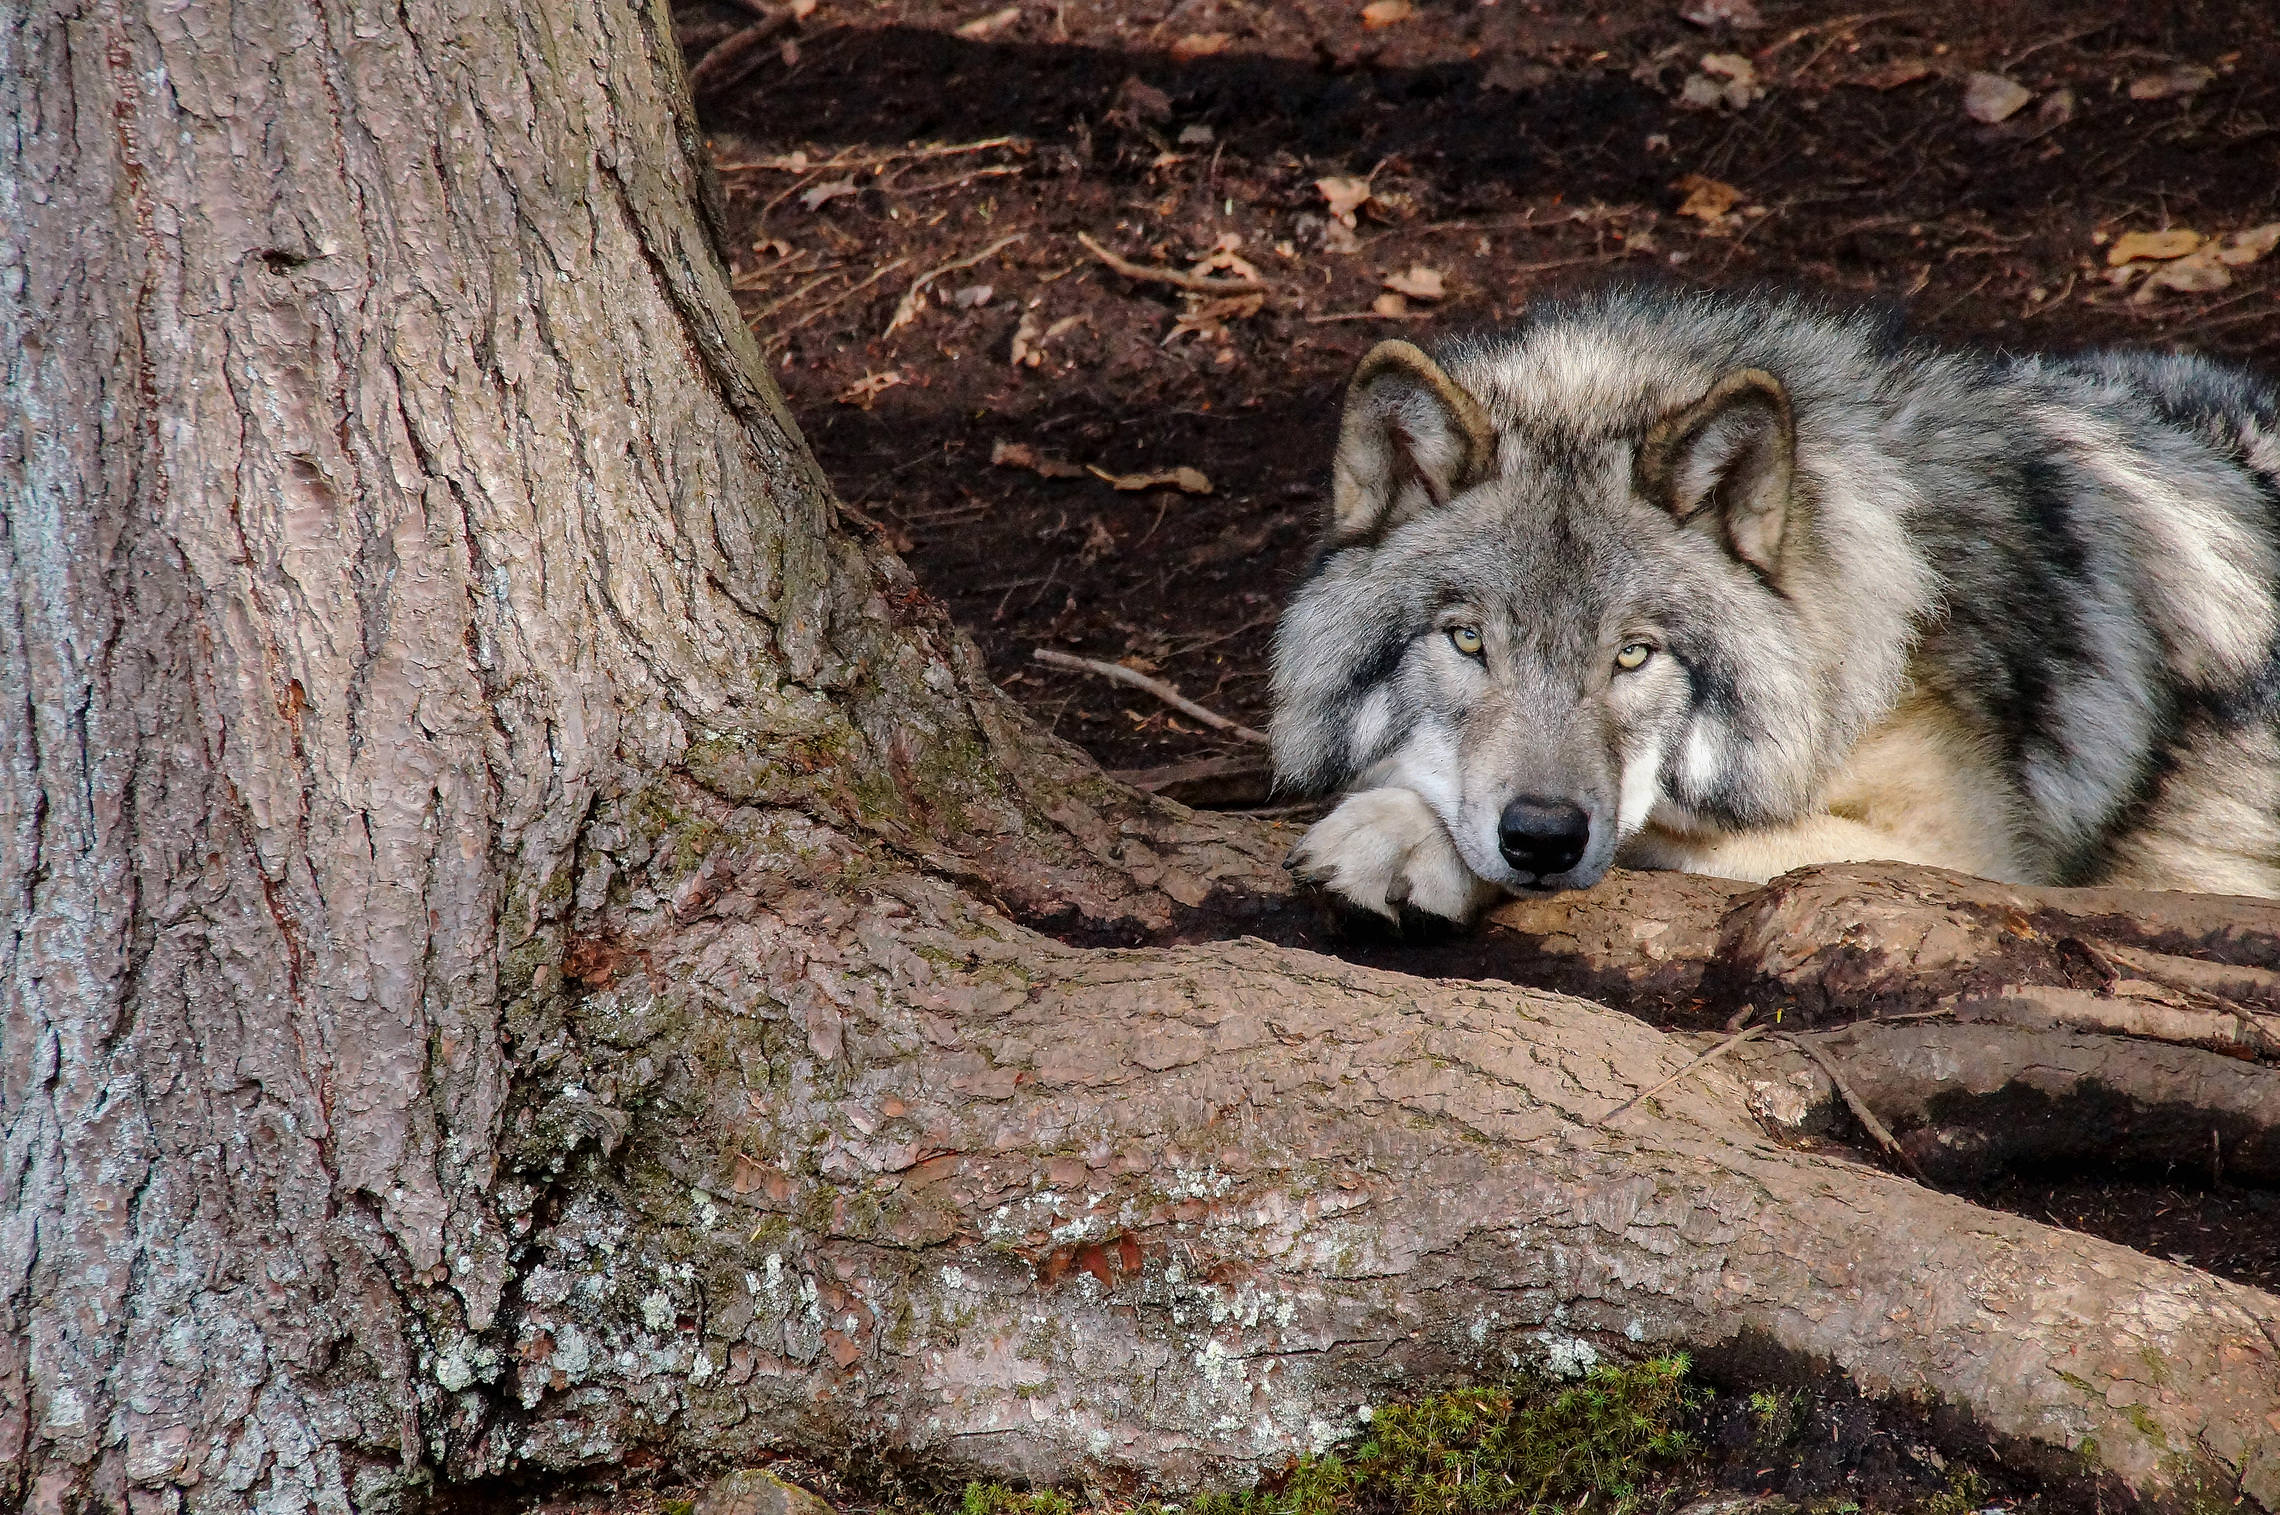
1739, 583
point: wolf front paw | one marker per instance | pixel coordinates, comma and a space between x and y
1385, 848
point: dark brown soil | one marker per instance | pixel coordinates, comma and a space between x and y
1514, 148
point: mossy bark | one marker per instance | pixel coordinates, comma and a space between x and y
524, 939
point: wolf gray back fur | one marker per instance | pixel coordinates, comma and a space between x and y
2077, 556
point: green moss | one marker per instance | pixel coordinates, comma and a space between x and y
1963, 1494
997, 1499
2147, 1426
1778, 1416
1522, 1448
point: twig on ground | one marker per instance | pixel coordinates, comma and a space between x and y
1201, 284
797, 163
936, 186
837, 300
797, 295
1747, 1033
1837, 24
1368, 315
907, 308
2051, 303
2060, 40
731, 59
1866, 1117
1157, 687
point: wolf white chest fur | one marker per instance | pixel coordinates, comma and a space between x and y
1737, 584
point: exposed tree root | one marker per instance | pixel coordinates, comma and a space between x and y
1967, 1101
1882, 939
1174, 1214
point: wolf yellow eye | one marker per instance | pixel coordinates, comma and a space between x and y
1466, 640
1633, 656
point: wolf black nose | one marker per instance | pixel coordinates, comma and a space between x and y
1542, 836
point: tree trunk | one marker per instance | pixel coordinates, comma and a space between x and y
528, 949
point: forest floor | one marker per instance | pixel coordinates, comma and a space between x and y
928, 205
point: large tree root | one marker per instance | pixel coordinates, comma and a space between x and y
1971, 1101
1841, 943
1172, 1215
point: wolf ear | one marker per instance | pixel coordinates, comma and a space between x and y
1729, 460
1412, 438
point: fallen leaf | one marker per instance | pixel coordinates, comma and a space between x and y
2156, 245
1706, 199
1390, 304
1727, 79
2057, 108
1895, 72
2197, 273
2250, 245
868, 388
1199, 45
2184, 79
823, 194
982, 28
1026, 335
1344, 196
1420, 283
1209, 318
1990, 98
1224, 258
1186, 480
1385, 13
973, 296
1741, 15
1022, 455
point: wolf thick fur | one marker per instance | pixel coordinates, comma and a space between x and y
1740, 583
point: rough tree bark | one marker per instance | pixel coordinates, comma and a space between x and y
527, 948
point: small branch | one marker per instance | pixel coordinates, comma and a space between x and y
728, 62
1747, 1033
906, 310
1861, 1112
1839, 25
1194, 283
1157, 687
798, 164
1369, 315
839, 299
797, 295
936, 186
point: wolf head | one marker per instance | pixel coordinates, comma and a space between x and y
1580, 576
